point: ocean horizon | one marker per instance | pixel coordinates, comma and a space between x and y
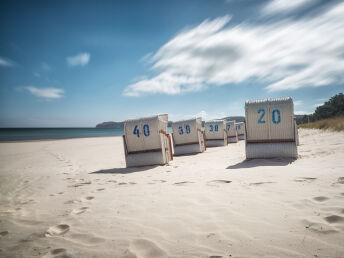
47, 133
27, 134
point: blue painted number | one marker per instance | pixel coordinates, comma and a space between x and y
260, 121
136, 131
211, 128
216, 128
275, 113
146, 131
228, 127
180, 130
187, 129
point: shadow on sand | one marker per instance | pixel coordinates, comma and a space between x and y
123, 170
251, 163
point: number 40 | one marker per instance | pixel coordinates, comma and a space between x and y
146, 131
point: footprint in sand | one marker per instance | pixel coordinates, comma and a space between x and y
87, 198
58, 252
3, 233
218, 182
57, 230
183, 183
100, 189
305, 179
334, 219
262, 183
340, 180
80, 210
146, 248
321, 198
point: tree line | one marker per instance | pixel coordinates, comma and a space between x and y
332, 108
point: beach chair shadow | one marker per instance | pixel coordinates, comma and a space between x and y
123, 170
251, 163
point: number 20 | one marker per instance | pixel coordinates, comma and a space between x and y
275, 113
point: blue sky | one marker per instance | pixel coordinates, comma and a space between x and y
79, 63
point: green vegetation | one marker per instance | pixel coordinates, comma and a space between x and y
336, 124
330, 115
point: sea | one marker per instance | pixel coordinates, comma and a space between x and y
29, 134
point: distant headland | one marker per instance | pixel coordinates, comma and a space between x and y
120, 125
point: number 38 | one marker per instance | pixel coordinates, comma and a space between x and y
276, 116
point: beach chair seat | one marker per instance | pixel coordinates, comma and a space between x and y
188, 137
270, 129
232, 135
146, 141
215, 133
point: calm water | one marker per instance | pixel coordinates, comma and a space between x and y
20, 134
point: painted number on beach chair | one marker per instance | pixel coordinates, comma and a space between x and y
275, 113
276, 116
238, 127
146, 131
228, 127
187, 129
262, 112
213, 128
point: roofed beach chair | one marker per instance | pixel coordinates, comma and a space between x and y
188, 136
232, 134
240, 127
215, 133
270, 129
146, 141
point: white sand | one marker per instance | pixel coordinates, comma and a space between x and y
75, 198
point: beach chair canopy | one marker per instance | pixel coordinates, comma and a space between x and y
215, 129
187, 131
231, 129
270, 119
144, 133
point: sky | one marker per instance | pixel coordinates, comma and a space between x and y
80, 63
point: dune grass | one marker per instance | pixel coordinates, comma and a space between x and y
335, 124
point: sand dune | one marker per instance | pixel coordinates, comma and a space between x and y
75, 198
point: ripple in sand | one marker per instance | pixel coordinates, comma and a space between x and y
183, 183
334, 219
220, 181
321, 198
262, 183
57, 230
305, 179
80, 210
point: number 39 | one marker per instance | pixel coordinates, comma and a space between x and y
276, 116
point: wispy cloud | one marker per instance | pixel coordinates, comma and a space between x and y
283, 55
283, 6
81, 59
298, 102
5, 62
46, 93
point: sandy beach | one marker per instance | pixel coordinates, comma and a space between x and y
75, 198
